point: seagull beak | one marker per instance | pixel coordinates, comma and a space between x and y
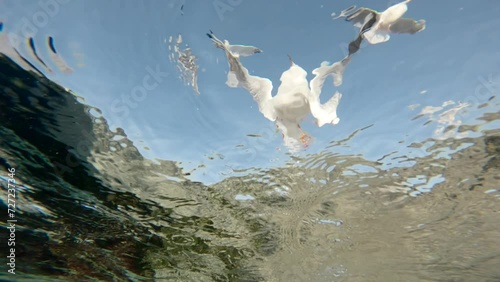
257, 50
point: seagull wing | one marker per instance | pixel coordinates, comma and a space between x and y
344, 13
244, 51
238, 76
380, 31
376, 35
406, 25
236, 50
364, 19
327, 112
360, 16
394, 12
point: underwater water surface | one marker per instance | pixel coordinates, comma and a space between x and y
318, 143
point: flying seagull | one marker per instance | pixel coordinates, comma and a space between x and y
376, 27
295, 98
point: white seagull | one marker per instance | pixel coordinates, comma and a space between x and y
384, 23
295, 98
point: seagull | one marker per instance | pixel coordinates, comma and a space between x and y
376, 27
295, 99
236, 50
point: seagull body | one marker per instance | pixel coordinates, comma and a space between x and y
295, 99
291, 105
291, 100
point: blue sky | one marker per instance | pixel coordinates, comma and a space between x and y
109, 44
